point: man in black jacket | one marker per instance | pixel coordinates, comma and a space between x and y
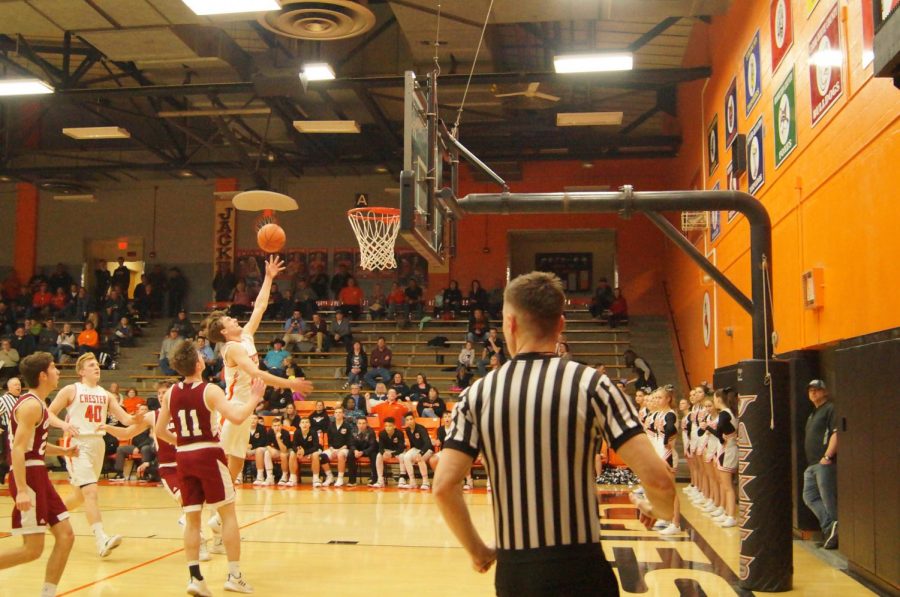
340, 433
391, 444
364, 445
420, 450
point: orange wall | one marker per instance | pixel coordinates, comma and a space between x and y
833, 202
639, 244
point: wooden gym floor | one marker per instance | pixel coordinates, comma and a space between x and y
368, 542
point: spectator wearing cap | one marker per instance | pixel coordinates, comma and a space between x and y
274, 359
183, 325
168, 343
820, 443
294, 330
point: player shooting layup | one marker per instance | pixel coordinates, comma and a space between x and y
87, 405
242, 366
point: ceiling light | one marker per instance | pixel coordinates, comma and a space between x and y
326, 126
214, 112
5, 178
588, 118
381, 169
222, 7
317, 71
97, 132
185, 174
24, 87
593, 63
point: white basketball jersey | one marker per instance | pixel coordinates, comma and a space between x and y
88, 409
237, 383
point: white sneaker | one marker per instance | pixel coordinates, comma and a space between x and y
720, 511
316, 484
198, 588
687, 489
661, 524
672, 529
283, 482
467, 487
238, 585
204, 552
728, 523
402, 484
112, 542
378, 485
217, 547
425, 487
291, 483
238, 481
708, 510
259, 481
339, 482
269, 481
329, 481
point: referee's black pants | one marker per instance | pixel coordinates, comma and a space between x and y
565, 571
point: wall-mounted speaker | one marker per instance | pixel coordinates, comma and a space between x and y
739, 154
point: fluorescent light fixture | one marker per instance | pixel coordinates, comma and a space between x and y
97, 132
588, 118
593, 63
317, 71
224, 7
832, 58
214, 112
326, 126
10, 87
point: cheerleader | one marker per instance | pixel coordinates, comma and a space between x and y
712, 503
666, 425
690, 444
725, 429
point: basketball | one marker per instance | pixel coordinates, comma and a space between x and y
271, 238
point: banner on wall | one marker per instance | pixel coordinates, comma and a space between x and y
712, 138
715, 218
224, 239
826, 66
756, 167
731, 180
752, 76
781, 25
731, 118
785, 119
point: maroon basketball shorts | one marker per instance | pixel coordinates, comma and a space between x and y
203, 477
47, 509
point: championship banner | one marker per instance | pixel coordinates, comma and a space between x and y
781, 26
785, 119
756, 163
826, 66
224, 238
731, 122
712, 138
752, 76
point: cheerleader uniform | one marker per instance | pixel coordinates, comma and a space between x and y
667, 429
712, 442
726, 432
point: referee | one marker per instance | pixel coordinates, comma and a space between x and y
538, 420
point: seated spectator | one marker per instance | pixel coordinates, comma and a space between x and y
290, 418
213, 363
23, 342
377, 303
419, 452
305, 298
9, 360
65, 342
357, 365
392, 407
60, 278
84, 305
432, 405
493, 345
40, 299
396, 300
399, 386
453, 299
419, 390
340, 333
415, 303
278, 446
143, 298
351, 298
339, 280
467, 355
46, 339
88, 340
494, 363
478, 326
118, 302
124, 333
259, 443
478, 297
59, 301
563, 351
364, 445
109, 319
165, 348
380, 395
618, 310
183, 325
141, 445
379, 363
306, 445
643, 374
319, 418
391, 444
340, 432
280, 304
353, 409
463, 379
602, 299
294, 330
223, 283
7, 319
317, 333
241, 302
274, 359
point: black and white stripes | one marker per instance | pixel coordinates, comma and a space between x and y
537, 420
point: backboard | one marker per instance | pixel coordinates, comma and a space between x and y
425, 219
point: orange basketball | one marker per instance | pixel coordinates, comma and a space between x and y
271, 238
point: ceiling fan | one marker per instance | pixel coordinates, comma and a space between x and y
531, 92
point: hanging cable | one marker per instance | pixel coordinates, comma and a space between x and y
767, 294
459, 112
437, 42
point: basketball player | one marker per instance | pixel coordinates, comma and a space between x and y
87, 405
242, 366
37, 505
193, 406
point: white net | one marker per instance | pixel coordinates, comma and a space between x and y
376, 229
694, 220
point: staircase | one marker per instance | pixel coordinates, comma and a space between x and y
651, 339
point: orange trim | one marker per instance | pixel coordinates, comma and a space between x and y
225, 185
374, 213
25, 246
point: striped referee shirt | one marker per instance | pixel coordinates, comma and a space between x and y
538, 420
7, 402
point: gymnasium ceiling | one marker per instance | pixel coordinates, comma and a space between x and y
123, 62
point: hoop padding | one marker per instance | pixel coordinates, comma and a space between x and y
376, 229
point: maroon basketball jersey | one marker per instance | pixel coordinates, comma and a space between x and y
194, 422
165, 452
39, 441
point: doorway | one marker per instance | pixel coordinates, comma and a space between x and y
107, 253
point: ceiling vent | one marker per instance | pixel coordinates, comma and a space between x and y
322, 21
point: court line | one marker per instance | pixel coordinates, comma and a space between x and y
154, 560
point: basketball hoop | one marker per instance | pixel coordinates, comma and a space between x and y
266, 217
376, 230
